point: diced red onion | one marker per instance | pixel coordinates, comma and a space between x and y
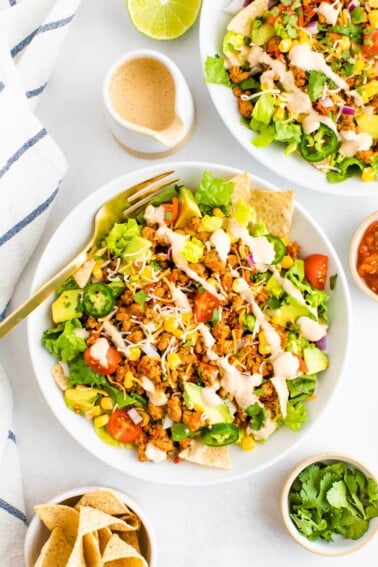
312, 27
246, 2
167, 422
322, 343
250, 259
326, 102
135, 416
353, 5
169, 255
348, 110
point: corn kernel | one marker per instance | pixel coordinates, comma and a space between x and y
303, 37
171, 326
279, 114
186, 318
373, 18
144, 415
93, 412
212, 281
264, 347
218, 213
358, 66
174, 360
97, 271
133, 353
128, 380
286, 262
248, 443
106, 403
193, 337
146, 273
368, 174
369, 90
101, 420
284, 45
373, 3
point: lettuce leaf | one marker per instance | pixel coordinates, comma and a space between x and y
62, 341
296, 415
287, 132
215, 71
315, 297
213, 193
120, 235
264, 109
80, 373
316, 80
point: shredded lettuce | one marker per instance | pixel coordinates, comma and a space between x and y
120, 235
265, 137
264, 109
314, 297
296, 415
215, 71
243, 213
213, 193
62, 341
287, 131
80, 373
316, 80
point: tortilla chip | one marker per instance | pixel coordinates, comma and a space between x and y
242, 22
76, 558
275, 209
59, 516
242, 188
131, 538
84, 273
92, 553
55, 552
118, 553
59, 376
92, 519
104, 500
104, 535
198, 452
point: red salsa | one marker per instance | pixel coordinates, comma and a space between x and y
367, 258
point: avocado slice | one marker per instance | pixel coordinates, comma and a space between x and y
188, 208
107, 438
136, 248
263, 34
290, 311
194, 400
67, 306
80, 400
274, 288
316, 360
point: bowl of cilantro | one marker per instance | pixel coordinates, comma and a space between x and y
329, 504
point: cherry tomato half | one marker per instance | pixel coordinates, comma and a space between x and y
204, 305
370, 47
122, 427
171, 211
112, 357
316, 267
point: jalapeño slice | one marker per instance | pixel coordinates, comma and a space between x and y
279, 247
220, 434
319, 144
98, 300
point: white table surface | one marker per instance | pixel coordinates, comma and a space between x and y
233, 524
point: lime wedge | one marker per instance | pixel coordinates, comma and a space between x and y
163, 19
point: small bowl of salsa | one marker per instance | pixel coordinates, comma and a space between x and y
363, 258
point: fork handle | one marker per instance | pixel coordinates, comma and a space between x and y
40, 295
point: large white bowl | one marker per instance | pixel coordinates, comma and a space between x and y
213, 26
68, 239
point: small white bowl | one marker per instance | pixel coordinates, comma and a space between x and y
341, 545
353, 254
37, 534
136, 139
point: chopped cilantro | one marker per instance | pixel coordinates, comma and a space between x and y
140, 296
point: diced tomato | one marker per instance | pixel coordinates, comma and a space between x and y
370, 47
171, 211
302, 365
122, 427
112, 358
316, 267
204, 305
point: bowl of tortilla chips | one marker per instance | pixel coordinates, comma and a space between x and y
90, 527
199, 463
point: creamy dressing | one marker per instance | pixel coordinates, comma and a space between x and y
210, 397
310, 329
288, 286
221, 243
154, 215
155, 454
329, 12
114, 334
265, 431
262, 250
142, 91
271, 335
285, 365
302, 56
177, 242
179, 298
239, 385
353, 143
208, 340
282, 390
99, 351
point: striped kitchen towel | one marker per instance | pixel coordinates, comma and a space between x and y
31, 168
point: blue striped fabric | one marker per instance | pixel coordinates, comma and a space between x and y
28, 144
12, 510
28, 219
44, 28
2, 86
11, 436
12, 2
4, 312
36, 92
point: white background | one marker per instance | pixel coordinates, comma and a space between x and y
225, 525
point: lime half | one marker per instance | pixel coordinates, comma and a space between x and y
163, 19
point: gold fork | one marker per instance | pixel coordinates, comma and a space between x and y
117, 209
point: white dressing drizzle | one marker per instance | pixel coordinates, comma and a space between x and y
154, 215
353, 142
330, 12
302, 56
208, 340
239, 385
155, 454
285, 365
310, 329
221, 243
261, 248
282, 390
99, 351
